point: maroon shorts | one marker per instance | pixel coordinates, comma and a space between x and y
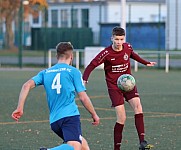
117, 96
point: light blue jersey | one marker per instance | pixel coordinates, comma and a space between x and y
61, 83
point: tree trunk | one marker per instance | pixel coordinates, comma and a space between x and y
9, 39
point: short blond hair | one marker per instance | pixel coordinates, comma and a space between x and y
63, 49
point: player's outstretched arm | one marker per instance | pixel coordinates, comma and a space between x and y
16, 115
88, 105
151, 64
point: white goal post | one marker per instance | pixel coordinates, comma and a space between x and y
89, 53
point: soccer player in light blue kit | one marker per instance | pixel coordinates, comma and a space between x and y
61, 82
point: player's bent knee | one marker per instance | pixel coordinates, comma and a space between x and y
121, 120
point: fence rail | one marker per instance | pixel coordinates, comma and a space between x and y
159, 54
164, 59
163, 56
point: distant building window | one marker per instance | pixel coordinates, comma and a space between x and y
54, 16
85, 18
74, 14
64, 18
36, 20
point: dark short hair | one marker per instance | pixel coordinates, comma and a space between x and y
118, 31
63, 47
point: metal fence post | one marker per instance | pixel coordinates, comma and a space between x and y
20, 42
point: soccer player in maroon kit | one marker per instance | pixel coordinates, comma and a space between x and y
116, 59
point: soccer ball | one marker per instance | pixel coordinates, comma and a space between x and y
126, 82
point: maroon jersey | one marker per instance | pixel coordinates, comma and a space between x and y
116, 63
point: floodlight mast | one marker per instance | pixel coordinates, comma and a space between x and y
20, 30
123, 14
